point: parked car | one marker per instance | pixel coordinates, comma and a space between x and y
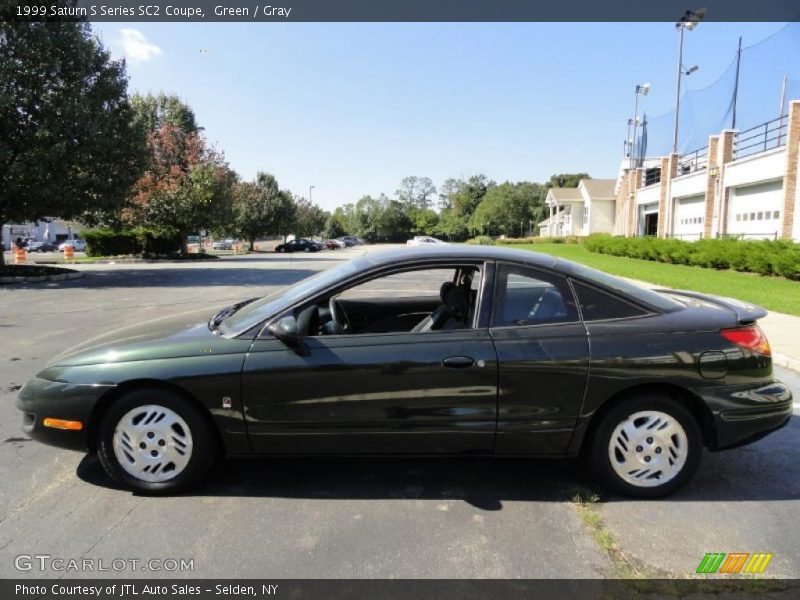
77, 245
320, 368
334, 244
223, 244
42, 247
350, 240
421, 240
301, 245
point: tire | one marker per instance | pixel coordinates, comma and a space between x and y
657, 436
281, 250
128, 452
307, 249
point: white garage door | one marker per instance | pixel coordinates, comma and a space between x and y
755, 210
689, 217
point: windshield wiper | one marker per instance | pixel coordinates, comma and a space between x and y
226, 312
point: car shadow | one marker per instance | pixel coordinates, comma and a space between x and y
764, 471
482, 482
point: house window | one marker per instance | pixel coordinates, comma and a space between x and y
585, 217
760, 216
776, 214
752, 216
738, 216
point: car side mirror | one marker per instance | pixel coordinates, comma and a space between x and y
285, 330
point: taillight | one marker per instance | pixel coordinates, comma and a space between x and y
750, 337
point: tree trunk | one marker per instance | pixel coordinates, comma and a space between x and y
184, 243
252, 244
2, 252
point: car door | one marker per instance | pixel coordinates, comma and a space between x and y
543, 353
432, 392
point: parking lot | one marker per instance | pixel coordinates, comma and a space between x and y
349, 518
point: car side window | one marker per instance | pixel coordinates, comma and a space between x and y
530, 297
597, 305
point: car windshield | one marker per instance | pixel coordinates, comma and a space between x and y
637, 292
266, 307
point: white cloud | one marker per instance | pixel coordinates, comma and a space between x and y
136, 47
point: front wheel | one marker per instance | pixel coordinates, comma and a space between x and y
646, 447
155, 441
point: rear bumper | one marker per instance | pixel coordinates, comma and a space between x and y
40, 399
744, 414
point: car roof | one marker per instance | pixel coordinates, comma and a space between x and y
463, 252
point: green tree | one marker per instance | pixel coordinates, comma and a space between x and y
336, 225
506, 209
69, 145
155, 111
416, 191
568, 180
260, 209
423, 221
310, 219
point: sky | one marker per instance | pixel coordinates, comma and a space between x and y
351, 109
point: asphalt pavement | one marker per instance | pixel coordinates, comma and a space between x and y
345, 518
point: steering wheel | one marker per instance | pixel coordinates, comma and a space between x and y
341, 323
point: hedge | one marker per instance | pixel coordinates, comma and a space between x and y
107, 242
764, 257
570, 239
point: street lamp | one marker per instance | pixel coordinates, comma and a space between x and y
642, 89
311, 187
689, 21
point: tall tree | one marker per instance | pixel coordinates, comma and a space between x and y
568, 180
507, 209
260, 209
69, 144
310, 219
416, 191
155, 111
186, 188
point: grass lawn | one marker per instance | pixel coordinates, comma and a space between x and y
774, 293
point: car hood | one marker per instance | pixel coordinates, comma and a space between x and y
173, 336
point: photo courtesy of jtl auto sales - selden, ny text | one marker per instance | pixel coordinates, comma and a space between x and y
399, 299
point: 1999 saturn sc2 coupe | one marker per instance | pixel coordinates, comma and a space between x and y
445, 350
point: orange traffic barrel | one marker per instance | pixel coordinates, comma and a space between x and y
20, 256
69, 252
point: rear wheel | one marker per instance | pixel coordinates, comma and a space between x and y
155, 441
646, 447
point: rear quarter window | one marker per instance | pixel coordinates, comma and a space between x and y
597, 305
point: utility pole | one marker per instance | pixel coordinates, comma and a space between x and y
736, 83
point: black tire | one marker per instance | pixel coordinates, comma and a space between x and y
280, 250
205, 446
597, 447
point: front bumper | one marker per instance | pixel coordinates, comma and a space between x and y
744, 414
40, 399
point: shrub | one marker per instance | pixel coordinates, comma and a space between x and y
107, 242
483, 240
756, 256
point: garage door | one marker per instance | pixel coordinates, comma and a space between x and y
755, 210
689, 217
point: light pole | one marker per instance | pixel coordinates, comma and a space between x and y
689, 21
311, 187
643, 90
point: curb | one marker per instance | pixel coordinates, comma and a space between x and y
41, 278
787, 362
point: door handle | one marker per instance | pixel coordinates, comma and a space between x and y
458, 362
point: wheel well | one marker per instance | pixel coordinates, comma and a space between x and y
105, 401
693, 402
